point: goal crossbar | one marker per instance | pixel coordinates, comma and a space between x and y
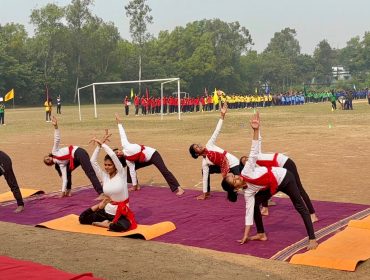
163, 81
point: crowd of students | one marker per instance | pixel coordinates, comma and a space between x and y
206, 103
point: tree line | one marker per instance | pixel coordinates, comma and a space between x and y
71, 47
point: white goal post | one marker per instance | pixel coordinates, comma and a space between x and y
163, 81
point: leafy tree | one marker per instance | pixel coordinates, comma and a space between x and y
78, 15
138, 12
324, 60
47, 44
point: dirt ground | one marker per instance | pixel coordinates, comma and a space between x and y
330, 149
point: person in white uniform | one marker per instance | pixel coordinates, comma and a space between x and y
214, 159
67, 159
259, 183
113, 212
139, 156
281, 160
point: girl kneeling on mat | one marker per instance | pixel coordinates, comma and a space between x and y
113, 212
259, 184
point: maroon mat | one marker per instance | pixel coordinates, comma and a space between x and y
17, 269
214, 224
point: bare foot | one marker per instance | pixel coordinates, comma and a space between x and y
264, 211
134, 188
69, 193
104, 224
312, 244
180, 191
314, 218
259, 237
203, 196
19, 209
271, 203
101, 196
63, 194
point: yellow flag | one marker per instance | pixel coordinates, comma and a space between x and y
215, 97
132, 93
9, 95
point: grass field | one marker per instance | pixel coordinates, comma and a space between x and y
330, 148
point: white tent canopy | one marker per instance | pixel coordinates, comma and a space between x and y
163, 81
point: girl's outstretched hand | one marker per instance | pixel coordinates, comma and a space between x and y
255, 121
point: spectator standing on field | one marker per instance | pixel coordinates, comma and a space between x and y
48, 108
2, 112
126, 104
59, 105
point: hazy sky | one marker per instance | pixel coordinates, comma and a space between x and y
314, 20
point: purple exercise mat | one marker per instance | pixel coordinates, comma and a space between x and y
213, 224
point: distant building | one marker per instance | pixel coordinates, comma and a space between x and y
340, 73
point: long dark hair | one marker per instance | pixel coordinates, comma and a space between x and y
192, 151
231, 194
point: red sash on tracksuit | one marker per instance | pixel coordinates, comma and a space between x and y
68, 156
123, 209
140, 156
269, 163
219, 159
268, 180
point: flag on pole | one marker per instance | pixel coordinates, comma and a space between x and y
354, 86
147, 93
9, 95
205, 91
215, 97
132, 93
256, 90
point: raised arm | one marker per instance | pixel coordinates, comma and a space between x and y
94, 158
255, 148
54, 122
212, 140
122, 133
94, 162
259, 141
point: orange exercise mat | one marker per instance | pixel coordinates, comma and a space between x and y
8, 196
342, 251
70, 223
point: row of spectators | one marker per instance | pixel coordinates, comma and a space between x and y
152, 105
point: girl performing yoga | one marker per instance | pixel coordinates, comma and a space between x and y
259, 184
215, 159
113, 212
280, 160
139, 156
67, 159
6, 169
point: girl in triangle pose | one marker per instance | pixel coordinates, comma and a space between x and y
67, 159
280, 160
259, 183
214, 158
139, 156
6, 169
